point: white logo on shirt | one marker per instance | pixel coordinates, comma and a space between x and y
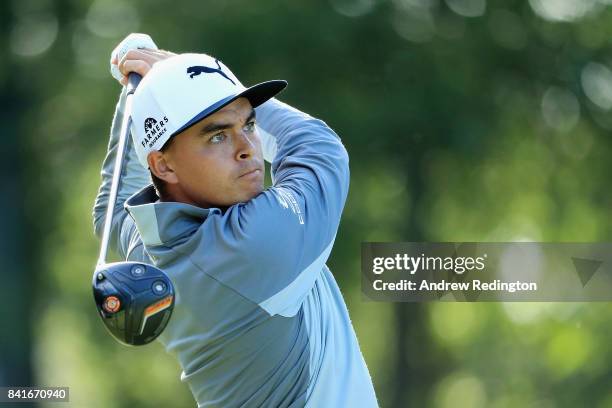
286, 199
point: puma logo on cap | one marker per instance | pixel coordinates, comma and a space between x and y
198, 69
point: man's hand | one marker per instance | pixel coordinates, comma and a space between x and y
139, 61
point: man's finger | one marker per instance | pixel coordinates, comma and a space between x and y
132, 41
139, 66
150, 56
141, 60
138, 55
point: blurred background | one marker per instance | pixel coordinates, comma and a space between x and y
465, 120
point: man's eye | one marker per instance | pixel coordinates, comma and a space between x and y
250, 127
217, 138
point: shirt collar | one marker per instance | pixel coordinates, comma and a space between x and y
161, 222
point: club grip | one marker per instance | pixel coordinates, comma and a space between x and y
133, 81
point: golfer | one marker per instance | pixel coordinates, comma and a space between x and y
259, 320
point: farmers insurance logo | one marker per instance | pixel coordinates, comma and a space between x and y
153, 131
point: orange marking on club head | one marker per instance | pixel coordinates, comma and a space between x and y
159, 306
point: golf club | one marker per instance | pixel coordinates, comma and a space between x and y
135, 300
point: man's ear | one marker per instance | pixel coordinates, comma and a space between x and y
158, 164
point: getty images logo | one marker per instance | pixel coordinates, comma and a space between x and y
153, 131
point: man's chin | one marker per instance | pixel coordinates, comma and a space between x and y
254, 193
244, 196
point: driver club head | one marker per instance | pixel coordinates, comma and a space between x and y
135, 300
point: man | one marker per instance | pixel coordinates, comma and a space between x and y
259, 319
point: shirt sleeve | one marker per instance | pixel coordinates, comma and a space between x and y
123, 235
272, 248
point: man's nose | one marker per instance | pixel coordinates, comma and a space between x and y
245, 146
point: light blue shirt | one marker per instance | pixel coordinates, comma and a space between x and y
259, 319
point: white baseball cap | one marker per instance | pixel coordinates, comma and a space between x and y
182, 90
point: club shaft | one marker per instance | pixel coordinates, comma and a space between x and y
122, 144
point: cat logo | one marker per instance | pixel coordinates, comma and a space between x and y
198, 69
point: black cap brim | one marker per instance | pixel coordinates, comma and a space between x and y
256, 94
260, 93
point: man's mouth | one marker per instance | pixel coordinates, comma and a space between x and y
252, 172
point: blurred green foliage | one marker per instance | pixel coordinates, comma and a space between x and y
465, 120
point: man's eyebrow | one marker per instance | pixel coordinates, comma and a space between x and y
251, 116
213, 127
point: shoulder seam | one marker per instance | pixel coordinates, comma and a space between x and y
218, 281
